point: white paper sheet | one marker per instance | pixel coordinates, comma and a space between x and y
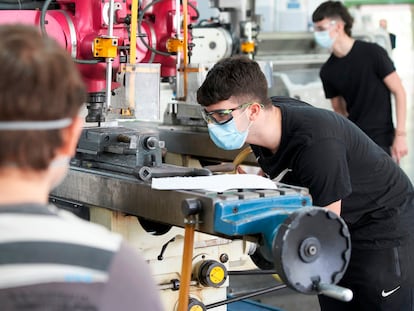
216, 183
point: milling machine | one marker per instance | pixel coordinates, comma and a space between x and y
141, 63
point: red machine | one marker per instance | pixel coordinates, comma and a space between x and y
77, 24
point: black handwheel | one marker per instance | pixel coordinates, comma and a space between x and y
261, 259
311, 246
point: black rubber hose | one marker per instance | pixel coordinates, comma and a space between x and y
140, 19
246, 296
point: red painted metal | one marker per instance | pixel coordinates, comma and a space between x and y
76, 23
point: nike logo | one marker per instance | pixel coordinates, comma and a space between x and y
386, 294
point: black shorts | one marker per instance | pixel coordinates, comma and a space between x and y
380, 279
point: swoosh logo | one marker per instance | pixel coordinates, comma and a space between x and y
386, 294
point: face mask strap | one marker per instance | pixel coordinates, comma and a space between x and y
250, 122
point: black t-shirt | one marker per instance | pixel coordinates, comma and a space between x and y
358, 78
335, 160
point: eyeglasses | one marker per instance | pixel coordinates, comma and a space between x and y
221, 116
325, 26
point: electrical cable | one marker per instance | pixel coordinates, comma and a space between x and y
195, 10
140, 34
43, 17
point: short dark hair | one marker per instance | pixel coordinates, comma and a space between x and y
334, 9
38, 81
236, 76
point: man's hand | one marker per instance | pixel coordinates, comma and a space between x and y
241, 170
399, 147
335, 207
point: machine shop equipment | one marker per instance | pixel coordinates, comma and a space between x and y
296, 61
141, 63
100, 42
309, 247
234, 30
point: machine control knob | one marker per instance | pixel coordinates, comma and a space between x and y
152, 143
191, 206
195, 305
212, 273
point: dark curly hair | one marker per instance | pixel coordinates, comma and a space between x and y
236, 76
334, 10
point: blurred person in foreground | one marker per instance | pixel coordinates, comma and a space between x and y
359, 78
49, 258
344, 170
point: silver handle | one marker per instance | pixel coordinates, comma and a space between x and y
335, 291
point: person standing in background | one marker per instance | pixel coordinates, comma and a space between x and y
359, 78
384, 25
50, 259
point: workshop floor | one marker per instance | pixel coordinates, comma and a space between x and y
288, 300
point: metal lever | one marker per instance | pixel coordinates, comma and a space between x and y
145, 173
282, 174
335, 291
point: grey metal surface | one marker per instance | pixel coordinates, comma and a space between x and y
124, 193
184, 140
129, 195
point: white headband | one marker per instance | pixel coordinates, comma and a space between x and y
35, 125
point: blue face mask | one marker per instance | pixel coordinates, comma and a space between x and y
323, 39
227, 136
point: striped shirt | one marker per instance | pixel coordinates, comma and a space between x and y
53, 260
